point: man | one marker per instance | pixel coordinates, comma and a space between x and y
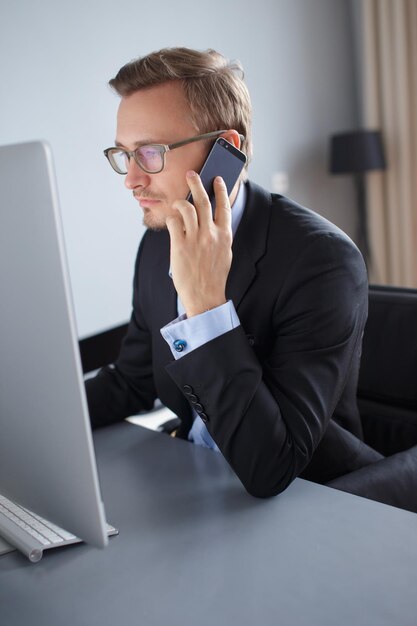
262, 362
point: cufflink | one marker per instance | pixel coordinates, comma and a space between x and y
179, 345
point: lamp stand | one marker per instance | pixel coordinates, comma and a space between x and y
363, 239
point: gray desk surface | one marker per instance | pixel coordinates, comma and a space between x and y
195, 549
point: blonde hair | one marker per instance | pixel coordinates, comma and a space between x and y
213, 86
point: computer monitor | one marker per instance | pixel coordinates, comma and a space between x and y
47, 461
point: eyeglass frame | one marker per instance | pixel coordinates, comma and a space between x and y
164, 148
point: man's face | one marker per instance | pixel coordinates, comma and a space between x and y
159, 114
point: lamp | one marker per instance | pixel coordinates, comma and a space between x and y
357, 152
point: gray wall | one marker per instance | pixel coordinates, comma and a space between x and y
56, 58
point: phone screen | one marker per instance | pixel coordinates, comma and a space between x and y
224, 160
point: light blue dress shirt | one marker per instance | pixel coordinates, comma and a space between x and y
186, 334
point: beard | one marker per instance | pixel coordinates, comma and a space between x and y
153, 222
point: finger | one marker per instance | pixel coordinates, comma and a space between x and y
223, 213
200, 199
175, 226
188, 214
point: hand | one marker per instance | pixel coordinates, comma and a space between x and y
201, 248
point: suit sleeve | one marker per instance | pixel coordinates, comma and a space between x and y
268, 419
127, 386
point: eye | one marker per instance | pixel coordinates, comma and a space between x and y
150, 157
149, 153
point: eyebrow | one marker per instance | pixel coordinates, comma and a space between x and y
137, 144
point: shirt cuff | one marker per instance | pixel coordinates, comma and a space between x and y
185, 334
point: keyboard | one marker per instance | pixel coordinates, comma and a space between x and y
30, 533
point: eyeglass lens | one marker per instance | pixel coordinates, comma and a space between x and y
149, 157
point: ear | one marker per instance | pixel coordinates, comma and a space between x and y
233, 137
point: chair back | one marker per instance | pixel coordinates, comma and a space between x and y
101, 349
387, 389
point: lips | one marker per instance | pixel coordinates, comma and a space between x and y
146, 200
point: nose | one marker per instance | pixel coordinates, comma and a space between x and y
135, 176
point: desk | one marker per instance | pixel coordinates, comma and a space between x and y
195, 549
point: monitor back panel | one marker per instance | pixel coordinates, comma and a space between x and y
46, 453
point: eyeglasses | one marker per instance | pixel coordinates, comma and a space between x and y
150, 158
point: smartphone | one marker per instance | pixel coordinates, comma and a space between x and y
224, 160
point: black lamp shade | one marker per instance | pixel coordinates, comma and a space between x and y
356, 151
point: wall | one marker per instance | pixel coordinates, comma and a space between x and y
56, 59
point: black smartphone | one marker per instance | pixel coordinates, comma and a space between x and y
224, 160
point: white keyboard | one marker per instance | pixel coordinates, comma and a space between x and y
31, 533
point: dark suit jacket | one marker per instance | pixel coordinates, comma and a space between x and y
279, 392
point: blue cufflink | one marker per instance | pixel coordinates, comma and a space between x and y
179, 345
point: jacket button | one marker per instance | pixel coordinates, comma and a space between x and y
251, 340
193, 398
188, 389
179, 345
204, 417
199, 408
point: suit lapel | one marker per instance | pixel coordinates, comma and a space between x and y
164, 310
165, 296
249, 243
